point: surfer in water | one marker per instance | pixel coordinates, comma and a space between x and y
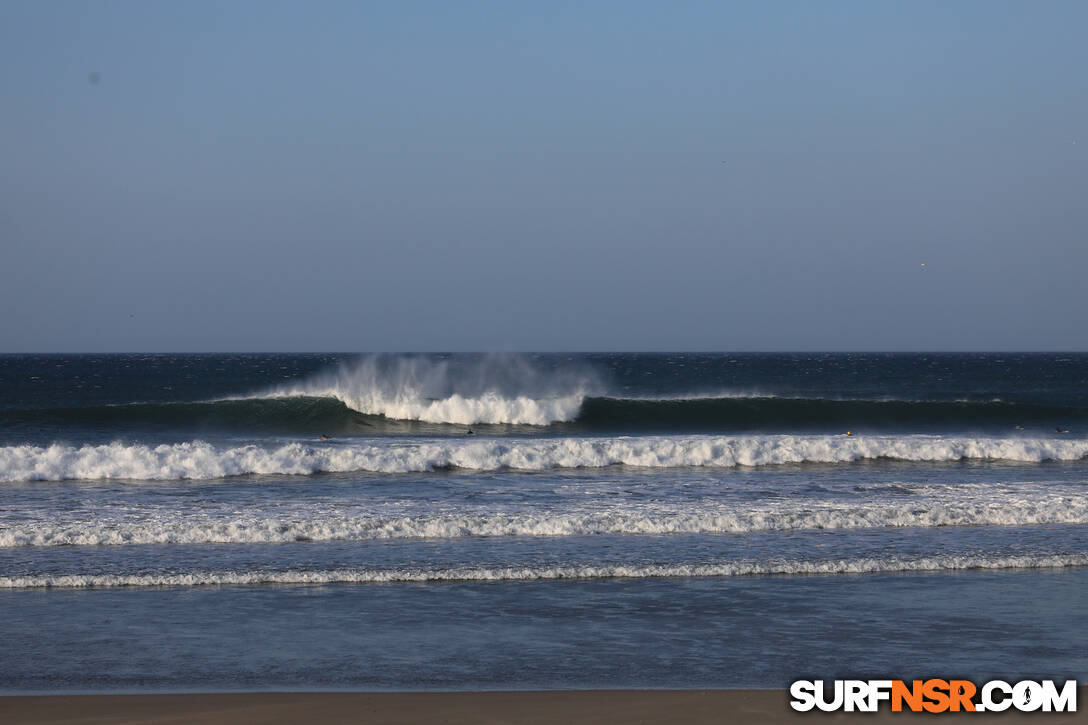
324, 437
470, 432
1059, 429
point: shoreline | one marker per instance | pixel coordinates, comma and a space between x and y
610, 707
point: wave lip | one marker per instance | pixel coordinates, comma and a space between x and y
202, 460
460, 390
358, 405
873, 565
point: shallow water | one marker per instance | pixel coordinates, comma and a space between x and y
177, 522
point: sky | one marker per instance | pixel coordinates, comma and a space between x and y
543, 176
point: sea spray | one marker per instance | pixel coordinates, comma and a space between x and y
464, 390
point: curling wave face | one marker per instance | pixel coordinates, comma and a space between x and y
463, 390
203, 460
290, 414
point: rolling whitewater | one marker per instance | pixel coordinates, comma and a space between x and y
583, 520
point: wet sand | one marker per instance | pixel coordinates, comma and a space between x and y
435, 708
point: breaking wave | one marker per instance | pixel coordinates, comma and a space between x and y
391, 393
202, 460
873, 565
462, 390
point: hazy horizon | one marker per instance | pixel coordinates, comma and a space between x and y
893, 176
516, 353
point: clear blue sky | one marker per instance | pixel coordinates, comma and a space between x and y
543, 176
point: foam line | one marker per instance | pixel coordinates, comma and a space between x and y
202, 460
725, 569
180, 529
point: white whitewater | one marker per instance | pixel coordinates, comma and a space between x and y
203, 460
867, 565
486, 389
960, 506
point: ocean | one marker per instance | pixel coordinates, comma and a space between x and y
451, 522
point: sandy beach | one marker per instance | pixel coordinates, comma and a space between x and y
572, 707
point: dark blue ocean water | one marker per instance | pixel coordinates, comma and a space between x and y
468, 521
